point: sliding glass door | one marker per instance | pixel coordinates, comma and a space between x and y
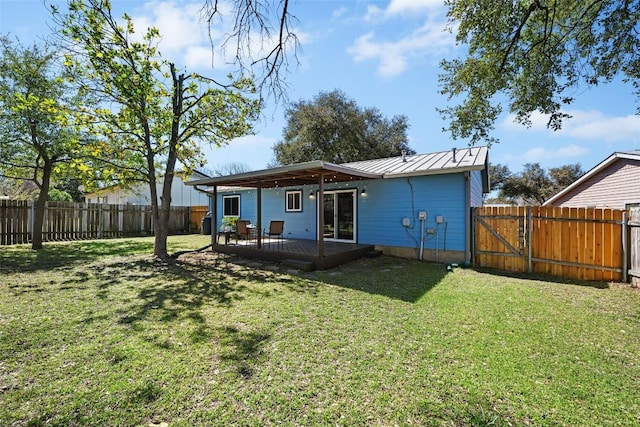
340, 216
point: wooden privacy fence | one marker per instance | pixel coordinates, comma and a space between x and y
77, 221
634, 245
196, 215
575, 243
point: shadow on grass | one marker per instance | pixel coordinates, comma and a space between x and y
175, 291
68, 254
398, 278
543, 277
242, 349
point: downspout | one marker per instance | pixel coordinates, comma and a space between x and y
213, 195
467, 212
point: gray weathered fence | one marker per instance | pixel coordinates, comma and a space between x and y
78, 221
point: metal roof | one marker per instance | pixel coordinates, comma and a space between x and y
455, 160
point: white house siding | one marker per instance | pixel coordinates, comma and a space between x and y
613, 187
181, 195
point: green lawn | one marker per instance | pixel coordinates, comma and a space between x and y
97, 333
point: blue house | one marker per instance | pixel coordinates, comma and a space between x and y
416, 206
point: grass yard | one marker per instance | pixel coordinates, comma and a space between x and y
97, 333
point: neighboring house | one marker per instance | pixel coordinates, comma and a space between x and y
612, 183
181, 194
397, 203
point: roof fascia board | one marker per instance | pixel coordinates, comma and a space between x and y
298, 167
434, 172
594, 170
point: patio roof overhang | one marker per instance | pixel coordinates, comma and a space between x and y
288, 176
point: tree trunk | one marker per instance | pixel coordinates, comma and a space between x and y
162, 225
164, 212
41, 202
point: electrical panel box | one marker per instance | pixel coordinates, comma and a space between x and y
439, 219
406, 221
422, 215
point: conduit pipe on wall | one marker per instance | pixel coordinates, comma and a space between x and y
421, 238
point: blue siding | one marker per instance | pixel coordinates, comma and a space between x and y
298, 225
388, 201
379, 213
476, 188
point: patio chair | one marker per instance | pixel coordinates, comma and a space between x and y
244, 231
276, 229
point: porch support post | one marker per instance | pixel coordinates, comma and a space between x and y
214, 216
321, 215
259, 210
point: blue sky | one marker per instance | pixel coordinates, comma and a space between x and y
382, 54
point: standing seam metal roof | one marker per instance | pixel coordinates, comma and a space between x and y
471, 158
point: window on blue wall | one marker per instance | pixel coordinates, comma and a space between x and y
294, 201
231, 205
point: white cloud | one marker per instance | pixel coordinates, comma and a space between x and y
409, 6
393, 57
585, 125
402, 7
185, 36
544, 155
180, 25
339, 12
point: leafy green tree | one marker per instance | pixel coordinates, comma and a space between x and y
71, 186
534, 185
38, 137
333, 128
153, 114
56, 195
498, 174
534, 55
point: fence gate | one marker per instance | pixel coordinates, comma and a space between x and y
576, 243
634, 243
500, 238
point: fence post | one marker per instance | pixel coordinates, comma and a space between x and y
528, 238
32, 218
624, 247
100, 219
473, 236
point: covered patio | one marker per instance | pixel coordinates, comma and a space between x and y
323, 254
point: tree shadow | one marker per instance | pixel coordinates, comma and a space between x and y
397, 278
243, 349
173, 291
68, 254
599, 284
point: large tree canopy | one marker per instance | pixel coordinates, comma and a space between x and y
335, 129
534, 185
534, 55
39, 139
153, 114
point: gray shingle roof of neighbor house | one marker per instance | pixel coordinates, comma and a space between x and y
631, 155
450, 161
